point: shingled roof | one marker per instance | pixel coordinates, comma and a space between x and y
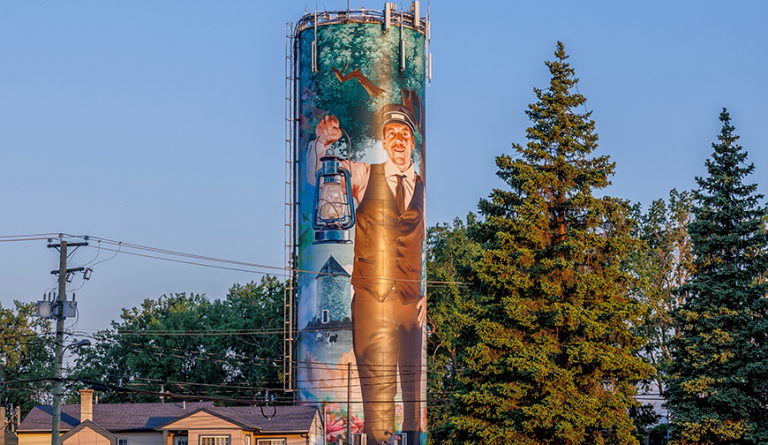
156, 416
280, 419
112, 417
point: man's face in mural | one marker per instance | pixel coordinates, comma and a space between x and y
398, 142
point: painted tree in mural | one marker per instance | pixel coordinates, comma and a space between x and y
719, 368
550, 357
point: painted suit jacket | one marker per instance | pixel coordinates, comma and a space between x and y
388, 244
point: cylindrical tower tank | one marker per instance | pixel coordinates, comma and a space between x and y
360, 225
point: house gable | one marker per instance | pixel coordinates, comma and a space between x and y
88, 433
202, 419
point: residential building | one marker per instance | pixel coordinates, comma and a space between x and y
184, 423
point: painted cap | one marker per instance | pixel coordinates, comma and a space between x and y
396, 113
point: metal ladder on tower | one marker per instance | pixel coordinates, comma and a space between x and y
289, 215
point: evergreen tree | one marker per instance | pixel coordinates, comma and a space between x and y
718, 388
550, 356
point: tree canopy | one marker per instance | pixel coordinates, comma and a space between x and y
451, 254
188, 344
25, 350
549, 356
661, 266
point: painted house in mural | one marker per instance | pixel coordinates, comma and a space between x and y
333, 293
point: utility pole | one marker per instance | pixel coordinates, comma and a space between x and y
349, 408
4, 424
60, 315
62, 297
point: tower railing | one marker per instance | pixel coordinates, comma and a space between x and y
362, 16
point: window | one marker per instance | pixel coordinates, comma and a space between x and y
122, 441
270, 442
325, 316
214, 440
179, 440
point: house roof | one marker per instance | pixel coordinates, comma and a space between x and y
112, 417
281, 419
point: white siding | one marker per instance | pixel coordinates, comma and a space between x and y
148, 438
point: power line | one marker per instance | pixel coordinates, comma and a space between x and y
36, 236
21, 239
159, 251
243, 332
201, 397
266, 359
432, 283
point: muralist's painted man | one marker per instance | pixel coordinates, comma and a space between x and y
388, 308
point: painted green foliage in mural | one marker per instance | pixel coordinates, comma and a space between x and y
358, 73
355, 102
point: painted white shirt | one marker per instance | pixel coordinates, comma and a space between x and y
360, 172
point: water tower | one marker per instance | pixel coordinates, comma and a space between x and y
355, 219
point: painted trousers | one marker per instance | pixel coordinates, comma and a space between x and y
387, 343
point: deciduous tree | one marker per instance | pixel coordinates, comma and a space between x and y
451, 255
230, 348
26, 353
663, 264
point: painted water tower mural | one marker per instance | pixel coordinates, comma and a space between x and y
359, 148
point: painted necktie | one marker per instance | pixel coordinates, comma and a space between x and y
400, 194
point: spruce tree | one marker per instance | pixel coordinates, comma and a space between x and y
718, 389
550, 354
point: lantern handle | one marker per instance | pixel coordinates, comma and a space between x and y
349, 149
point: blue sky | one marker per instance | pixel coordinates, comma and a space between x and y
161, 123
